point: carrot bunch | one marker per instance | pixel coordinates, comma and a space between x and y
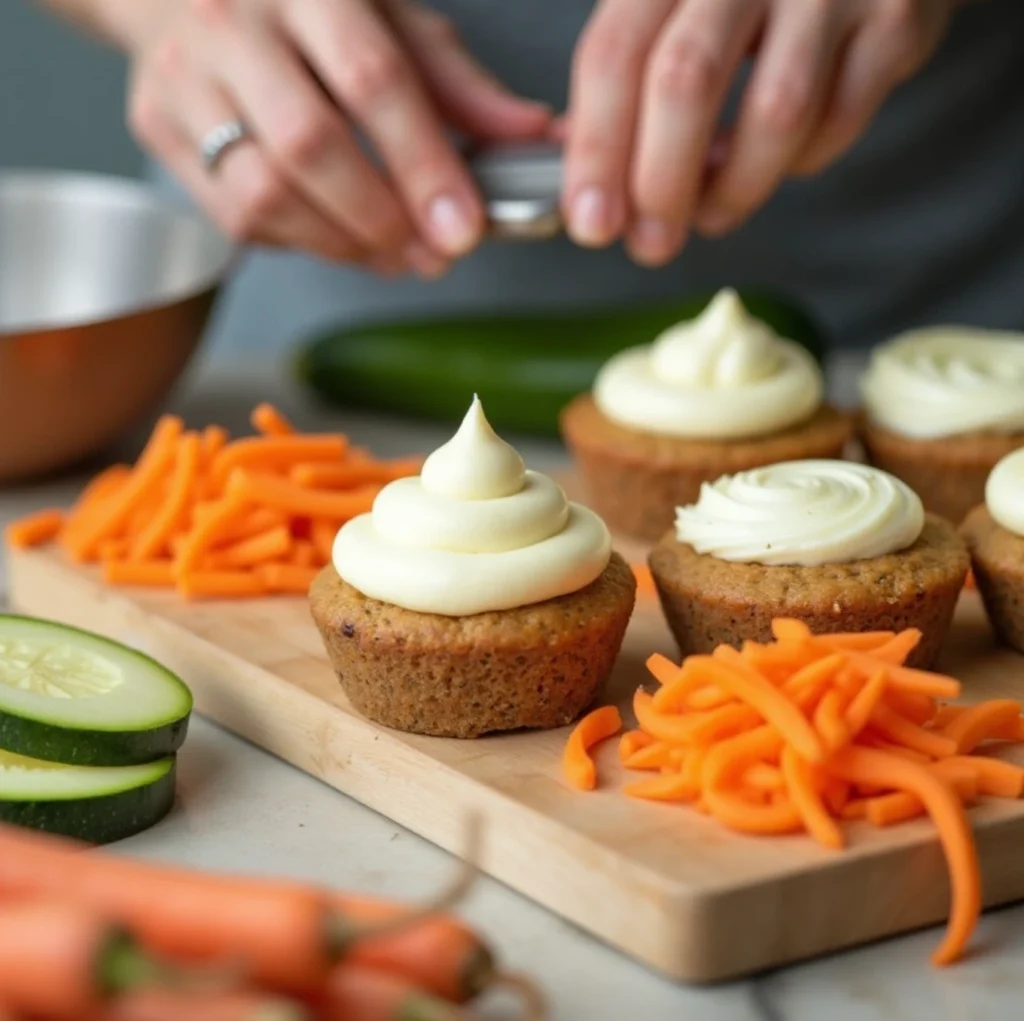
809, 731
215, 517
88, 936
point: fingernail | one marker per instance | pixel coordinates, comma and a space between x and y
424, 261
590, 217
714, 222
453, 226
651, 241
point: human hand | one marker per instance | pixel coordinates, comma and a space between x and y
304, 76
645, 156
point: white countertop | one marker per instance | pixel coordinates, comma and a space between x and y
241, 809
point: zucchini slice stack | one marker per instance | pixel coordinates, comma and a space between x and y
89, 729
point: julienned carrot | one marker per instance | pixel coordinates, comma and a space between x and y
727, 734
645, 587
595, 727
167, 1005
442, 954
62, 961
865, 765
287, 578
34, 529
266, 419
357, 993
217, 508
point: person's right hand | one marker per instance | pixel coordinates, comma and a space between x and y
304, 76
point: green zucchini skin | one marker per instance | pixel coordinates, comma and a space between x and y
101, 819
32, 735
75, 747
525, 368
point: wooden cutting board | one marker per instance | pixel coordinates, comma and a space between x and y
660, 882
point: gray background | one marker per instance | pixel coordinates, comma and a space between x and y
61, 96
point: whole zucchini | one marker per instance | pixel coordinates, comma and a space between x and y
525, 368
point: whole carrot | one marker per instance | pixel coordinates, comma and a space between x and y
62, 961
356, 993
284, 933
442, 955
168, 1005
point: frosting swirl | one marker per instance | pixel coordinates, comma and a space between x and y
802, 512
1004, 492
946, 380
474, 532
725, 375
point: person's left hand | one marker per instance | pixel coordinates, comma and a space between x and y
650, 79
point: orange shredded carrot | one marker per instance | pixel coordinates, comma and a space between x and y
352, 474
970, 582
322, 534
270, 453
150, 541
595, 727
294, 499
214, 440
209, 528
257, 549
34, 529
645, 588
157, 573
219, 584
810, 731
287, 578
304, 554
266, 419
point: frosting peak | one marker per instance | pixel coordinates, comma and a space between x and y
724, 347
474, 532
475, 464
1004, 492
802, 512
724, 375
946, 380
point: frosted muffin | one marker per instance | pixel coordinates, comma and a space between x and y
994, 532
941, 407
840, 546
716, 395
473, 598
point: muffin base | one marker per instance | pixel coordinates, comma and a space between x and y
998, 559
636, 480
708, 602
948, 473
534, 667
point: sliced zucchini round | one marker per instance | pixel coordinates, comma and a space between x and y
98, 804
71, 696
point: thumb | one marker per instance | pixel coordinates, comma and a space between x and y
470, 97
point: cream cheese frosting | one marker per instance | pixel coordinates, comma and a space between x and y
1004, 492
475, 531
946, 380
802, 512
724, 375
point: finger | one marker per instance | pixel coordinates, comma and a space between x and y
782, 105
686, 82
604, 94
879, 57
309, 141
363, 67
244, 195
468, 95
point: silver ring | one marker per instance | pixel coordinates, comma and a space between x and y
219, 140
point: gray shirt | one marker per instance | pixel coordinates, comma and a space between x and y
922, 222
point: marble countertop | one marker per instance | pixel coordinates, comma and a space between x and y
242, 809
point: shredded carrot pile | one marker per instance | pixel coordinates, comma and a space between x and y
215, 517
644, 581
809, 731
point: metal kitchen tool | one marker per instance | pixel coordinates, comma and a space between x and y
521, 186
105, 287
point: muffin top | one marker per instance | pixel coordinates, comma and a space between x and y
803, 513
474, 532
945, 381
723, 375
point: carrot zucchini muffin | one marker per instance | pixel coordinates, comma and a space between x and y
840, 546
473, 598
941, 407
720, 394
994, 532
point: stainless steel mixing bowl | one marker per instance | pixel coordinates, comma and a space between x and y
105, 289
